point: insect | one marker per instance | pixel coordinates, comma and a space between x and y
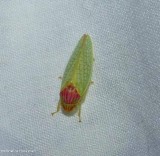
76, 78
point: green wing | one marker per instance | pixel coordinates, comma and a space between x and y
79, 68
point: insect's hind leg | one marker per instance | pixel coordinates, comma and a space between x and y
58, 108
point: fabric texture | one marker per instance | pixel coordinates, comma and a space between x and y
121, 114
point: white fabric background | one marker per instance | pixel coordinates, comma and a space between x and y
121, 115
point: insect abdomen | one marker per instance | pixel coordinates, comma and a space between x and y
79, 67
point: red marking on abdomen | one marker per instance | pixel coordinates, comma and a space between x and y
70, 94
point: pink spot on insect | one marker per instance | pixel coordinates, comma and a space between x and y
70, 94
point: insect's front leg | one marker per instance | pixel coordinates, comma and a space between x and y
79, 113
58, 108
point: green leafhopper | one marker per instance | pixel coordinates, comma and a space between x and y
76, 78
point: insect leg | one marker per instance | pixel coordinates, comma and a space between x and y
79, 113
92, 82
58, 108
60, 77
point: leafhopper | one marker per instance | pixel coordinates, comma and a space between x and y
76, 78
